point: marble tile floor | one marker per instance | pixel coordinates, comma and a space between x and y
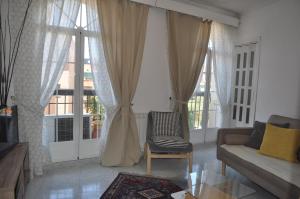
86, 179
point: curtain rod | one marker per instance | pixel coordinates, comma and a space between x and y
192, 10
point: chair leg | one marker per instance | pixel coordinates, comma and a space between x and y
148, 161
223, 171
145, 150
190, 159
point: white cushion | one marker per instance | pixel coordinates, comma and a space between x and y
285, 170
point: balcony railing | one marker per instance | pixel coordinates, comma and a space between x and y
60, 115
195, 107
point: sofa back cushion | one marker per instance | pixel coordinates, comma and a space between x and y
236, 139
277, 119
257, 135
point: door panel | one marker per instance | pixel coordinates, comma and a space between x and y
245, 73
92, 111
59, 114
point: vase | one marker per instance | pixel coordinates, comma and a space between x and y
9, 125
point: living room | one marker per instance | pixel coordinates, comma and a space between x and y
150, 99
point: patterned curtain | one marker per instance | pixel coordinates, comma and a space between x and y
39, 66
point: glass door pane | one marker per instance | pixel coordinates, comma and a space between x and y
92, 109
59, 113
92, 112
196, 102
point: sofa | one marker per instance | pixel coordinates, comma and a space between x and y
280, 177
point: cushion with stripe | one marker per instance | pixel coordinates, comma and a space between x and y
170, 142
166, 123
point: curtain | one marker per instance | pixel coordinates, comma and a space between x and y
188, 43
222, 40
38, 68
60, 20
60, 15
123, 25
100, 74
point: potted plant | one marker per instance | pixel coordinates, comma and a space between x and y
95, 108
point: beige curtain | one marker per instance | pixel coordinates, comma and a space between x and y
123, 24
188, 43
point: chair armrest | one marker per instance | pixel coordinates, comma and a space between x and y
232, 136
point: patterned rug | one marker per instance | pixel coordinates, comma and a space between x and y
128, 186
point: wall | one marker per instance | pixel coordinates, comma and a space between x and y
279, 80
153, 88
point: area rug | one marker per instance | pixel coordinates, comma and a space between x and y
129, 186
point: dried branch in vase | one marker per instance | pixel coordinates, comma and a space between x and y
9, 48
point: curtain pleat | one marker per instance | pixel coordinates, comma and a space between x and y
222, 40
123, 25
188, 43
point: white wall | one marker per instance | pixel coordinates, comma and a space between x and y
153, 88
279, 80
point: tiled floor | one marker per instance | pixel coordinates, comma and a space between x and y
88, 180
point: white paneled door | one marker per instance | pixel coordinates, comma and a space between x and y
244, 84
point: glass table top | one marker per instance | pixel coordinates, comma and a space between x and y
208, 184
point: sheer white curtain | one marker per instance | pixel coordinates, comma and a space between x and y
40, 62
222, 42
99, 69
59, 24
61, 17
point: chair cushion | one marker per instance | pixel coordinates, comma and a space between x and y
166, 123
170, 142
163, 150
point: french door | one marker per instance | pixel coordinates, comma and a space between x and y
73, 118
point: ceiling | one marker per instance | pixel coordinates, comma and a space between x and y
235, 6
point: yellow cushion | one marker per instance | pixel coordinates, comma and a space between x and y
281, 143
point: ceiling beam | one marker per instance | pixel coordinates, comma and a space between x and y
192, 10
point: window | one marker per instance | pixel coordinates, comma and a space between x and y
203, 106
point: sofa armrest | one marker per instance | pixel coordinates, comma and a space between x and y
232, 136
